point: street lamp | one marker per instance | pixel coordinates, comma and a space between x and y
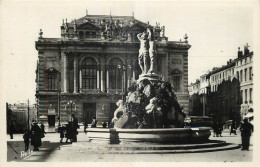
70, 104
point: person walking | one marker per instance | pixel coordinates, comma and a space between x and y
69, 131
36, 136
62, 131
85, 126
26, 138
214, 127
42, 130
246, 130
233, 128
219, 129
75, 126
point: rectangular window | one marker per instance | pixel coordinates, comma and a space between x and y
94, 34
250, 73
245, 60
241, 61
81, 35
87, 34
250, 95
245, 96
51, 81
241, 95
241, 75
245, 75
237, 75
177, 83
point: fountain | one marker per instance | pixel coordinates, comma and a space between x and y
151, 111
150, 114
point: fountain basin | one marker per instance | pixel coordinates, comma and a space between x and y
169, 135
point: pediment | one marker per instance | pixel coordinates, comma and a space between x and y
52, 70
87, 26
176, 71
139, 27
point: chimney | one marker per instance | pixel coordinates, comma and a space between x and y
246, 50
86, 12
239, 53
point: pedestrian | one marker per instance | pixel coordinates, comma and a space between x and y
26, 138
42, 130
69, 131
233, 128
246, 130
219, 129
75, 126
104, 124
62, 131
85, 126
36, 136
214, 127
94, 122
11, 129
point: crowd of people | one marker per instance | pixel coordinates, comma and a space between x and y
35, 134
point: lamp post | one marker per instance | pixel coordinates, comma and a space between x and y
70, 104
59, 91
123, 70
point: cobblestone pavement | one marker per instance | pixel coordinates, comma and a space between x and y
52, 150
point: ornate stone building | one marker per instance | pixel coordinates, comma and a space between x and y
90, 67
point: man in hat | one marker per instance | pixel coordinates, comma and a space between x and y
246, 130
36, 136
75, 126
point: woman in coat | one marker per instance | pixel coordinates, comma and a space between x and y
36, 137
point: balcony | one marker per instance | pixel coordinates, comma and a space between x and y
90, 91
115, 91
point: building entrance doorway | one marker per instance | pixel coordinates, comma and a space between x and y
89, 111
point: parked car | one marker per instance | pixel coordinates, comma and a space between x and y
198, 121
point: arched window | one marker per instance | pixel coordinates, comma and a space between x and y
115, 73
89, 73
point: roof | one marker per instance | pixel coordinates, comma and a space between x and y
97, 19
222, 68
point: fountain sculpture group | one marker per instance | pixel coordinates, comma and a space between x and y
151, 102
151, 111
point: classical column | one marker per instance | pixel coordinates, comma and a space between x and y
75, 68
65, 72
102, 81
98, 79
80, 81
133, 75
129, 70
124, 82
107, 81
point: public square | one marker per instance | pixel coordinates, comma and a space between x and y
53, 151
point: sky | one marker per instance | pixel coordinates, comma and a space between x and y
215, 31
